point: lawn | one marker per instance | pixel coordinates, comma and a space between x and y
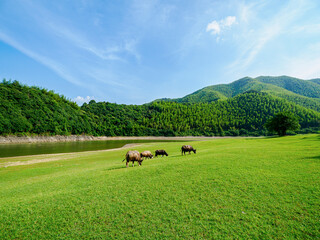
233, 188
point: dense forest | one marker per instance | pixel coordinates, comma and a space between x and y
302, 92
32, 110
26, 109
244, 114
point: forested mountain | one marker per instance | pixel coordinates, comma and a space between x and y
302, 92
244, 114
26, 109
317, 80
242, 109
302, 87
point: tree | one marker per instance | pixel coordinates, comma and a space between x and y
282, 122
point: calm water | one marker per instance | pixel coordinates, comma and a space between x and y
13, 150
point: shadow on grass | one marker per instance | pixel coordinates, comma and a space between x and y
261, 137
115, 168
122, 166
175, 156
277, 136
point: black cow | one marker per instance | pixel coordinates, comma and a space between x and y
161, 152
187, 148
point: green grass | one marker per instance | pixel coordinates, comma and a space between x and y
236, 188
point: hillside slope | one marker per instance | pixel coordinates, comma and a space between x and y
317, 80
302, 92
39, 111
247, 112
305, 88
33, 110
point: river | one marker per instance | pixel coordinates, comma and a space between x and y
24, 149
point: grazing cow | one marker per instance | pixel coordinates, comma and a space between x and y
161, 152
133, 156
146, 154
187, 148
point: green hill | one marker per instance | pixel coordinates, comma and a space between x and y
295, 85
243, 114
301, 92
26, 109
317, 80
239, 108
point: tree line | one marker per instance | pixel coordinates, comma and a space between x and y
32, 110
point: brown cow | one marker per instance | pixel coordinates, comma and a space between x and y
146, 154
187, 148
133, 156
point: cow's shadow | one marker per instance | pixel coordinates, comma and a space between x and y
175, 156
114, 168
315, 157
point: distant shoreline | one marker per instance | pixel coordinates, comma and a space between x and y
76, 138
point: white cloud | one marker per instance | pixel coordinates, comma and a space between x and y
80, 100
228, 21
216, 27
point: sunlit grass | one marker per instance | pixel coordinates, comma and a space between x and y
264, 188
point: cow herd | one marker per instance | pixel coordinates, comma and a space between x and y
135, 156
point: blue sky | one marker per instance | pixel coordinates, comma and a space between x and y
135, 51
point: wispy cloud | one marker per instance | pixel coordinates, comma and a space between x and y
115, 52
247, 12
106, 76
307, 28
80, 60
69, 31
315, 47
303, 67
51, 64
55, 26
123, 51
254, 41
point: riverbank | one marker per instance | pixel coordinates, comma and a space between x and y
32, 159
77, 138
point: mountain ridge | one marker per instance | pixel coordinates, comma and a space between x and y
240, 108
302, 92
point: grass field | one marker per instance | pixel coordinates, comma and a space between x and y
236, 188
